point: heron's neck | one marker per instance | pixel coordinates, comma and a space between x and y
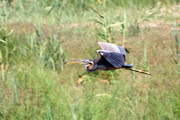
98, 66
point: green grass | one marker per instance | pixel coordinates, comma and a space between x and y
37, 38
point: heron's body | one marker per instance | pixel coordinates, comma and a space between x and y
111, 57
103, 65
100, 64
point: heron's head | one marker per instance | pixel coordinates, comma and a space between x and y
89, 64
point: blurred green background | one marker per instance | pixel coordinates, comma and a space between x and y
38, 38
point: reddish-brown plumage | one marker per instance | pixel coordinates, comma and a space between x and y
90, 67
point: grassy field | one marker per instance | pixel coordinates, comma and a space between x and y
38, 38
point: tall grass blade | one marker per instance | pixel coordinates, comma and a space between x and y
95, 11
124, 28
73, 112
50, 115
176, 38
16, 92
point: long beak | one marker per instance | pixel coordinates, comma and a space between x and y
76, 62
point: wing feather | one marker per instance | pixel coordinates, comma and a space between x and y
122, 50
114, 58
109, 47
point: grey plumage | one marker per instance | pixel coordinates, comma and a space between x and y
115, 55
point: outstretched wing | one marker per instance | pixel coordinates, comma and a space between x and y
112, 48
122, 50
109, 47
102, 61
114, 58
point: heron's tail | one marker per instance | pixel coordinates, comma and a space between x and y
139, 71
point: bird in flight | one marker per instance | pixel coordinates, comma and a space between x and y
111, 57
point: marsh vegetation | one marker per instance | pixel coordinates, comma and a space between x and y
38, 37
